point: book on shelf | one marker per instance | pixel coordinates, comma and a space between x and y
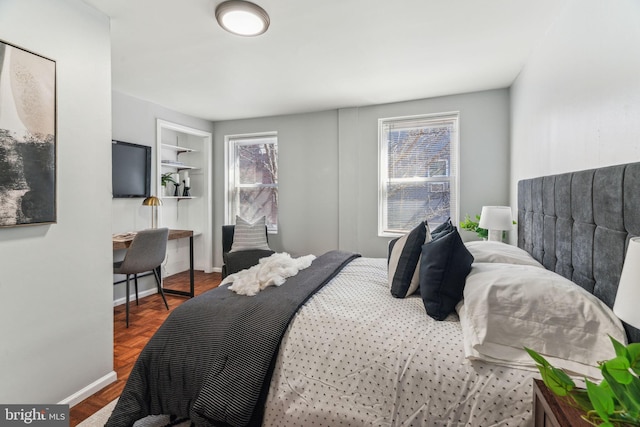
172, 163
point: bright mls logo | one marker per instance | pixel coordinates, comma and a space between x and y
34, 415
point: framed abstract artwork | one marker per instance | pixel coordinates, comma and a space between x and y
27, 137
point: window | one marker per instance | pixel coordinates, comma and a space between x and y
418, 172
252, 178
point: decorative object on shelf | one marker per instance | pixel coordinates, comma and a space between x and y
28, 129
626, 303
166, 178
242, 18
613, 402
176, 192
187, 184
155, 203
471, 225
496, 219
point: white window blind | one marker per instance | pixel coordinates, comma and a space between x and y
418, 171
252, 176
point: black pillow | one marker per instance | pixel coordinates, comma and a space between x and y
443, 229
404, 254
444, 267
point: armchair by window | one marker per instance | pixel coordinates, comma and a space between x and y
239, 260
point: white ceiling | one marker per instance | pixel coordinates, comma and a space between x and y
319, 55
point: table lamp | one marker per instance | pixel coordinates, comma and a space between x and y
496, 219
154, 202
626, 303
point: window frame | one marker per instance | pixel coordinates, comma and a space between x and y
230, 142
383, 173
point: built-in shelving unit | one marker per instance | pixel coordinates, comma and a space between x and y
174, 162
185, 153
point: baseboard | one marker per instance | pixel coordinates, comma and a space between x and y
215, 270
90, 390
132, 297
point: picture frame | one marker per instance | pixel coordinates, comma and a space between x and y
28, 144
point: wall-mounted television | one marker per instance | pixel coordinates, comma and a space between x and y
130, 169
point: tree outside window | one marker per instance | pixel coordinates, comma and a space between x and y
418, 171
253, 178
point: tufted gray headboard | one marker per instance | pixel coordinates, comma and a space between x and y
578, 224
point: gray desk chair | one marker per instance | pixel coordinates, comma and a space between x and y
146, 253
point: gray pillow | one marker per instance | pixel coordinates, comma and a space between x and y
442, 230
249, 235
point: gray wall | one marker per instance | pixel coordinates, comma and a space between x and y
329, 169
56, 310
134, 120
308, 180
576, 104
483, 169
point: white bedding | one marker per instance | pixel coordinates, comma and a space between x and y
270, 271
508, 307
354, 355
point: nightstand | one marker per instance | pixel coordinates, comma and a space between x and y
550, 410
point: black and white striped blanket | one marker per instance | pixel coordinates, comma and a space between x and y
213, 357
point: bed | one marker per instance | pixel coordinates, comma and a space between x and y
347, 352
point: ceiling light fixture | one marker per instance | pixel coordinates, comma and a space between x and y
242, 18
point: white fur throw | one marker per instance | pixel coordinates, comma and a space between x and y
270, 271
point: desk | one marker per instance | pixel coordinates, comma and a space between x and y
173, 235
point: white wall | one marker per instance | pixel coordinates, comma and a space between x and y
56, 312
576, 104
328, 169
134, 120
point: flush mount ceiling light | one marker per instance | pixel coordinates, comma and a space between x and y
242, 18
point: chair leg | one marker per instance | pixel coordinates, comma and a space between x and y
127, 308
135, 280
156, 273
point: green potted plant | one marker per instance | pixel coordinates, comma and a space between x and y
471, 225
615, 402
166, 178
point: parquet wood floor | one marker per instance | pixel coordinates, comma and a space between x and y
144, 320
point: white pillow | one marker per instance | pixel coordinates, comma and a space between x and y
485, 251
247, 235
508, 307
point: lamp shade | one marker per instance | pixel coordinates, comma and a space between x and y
152, 201
496, 218
626, 303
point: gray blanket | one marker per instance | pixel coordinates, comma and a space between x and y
213, 357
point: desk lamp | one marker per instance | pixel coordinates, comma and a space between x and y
154, 202
626, 303
496, 219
